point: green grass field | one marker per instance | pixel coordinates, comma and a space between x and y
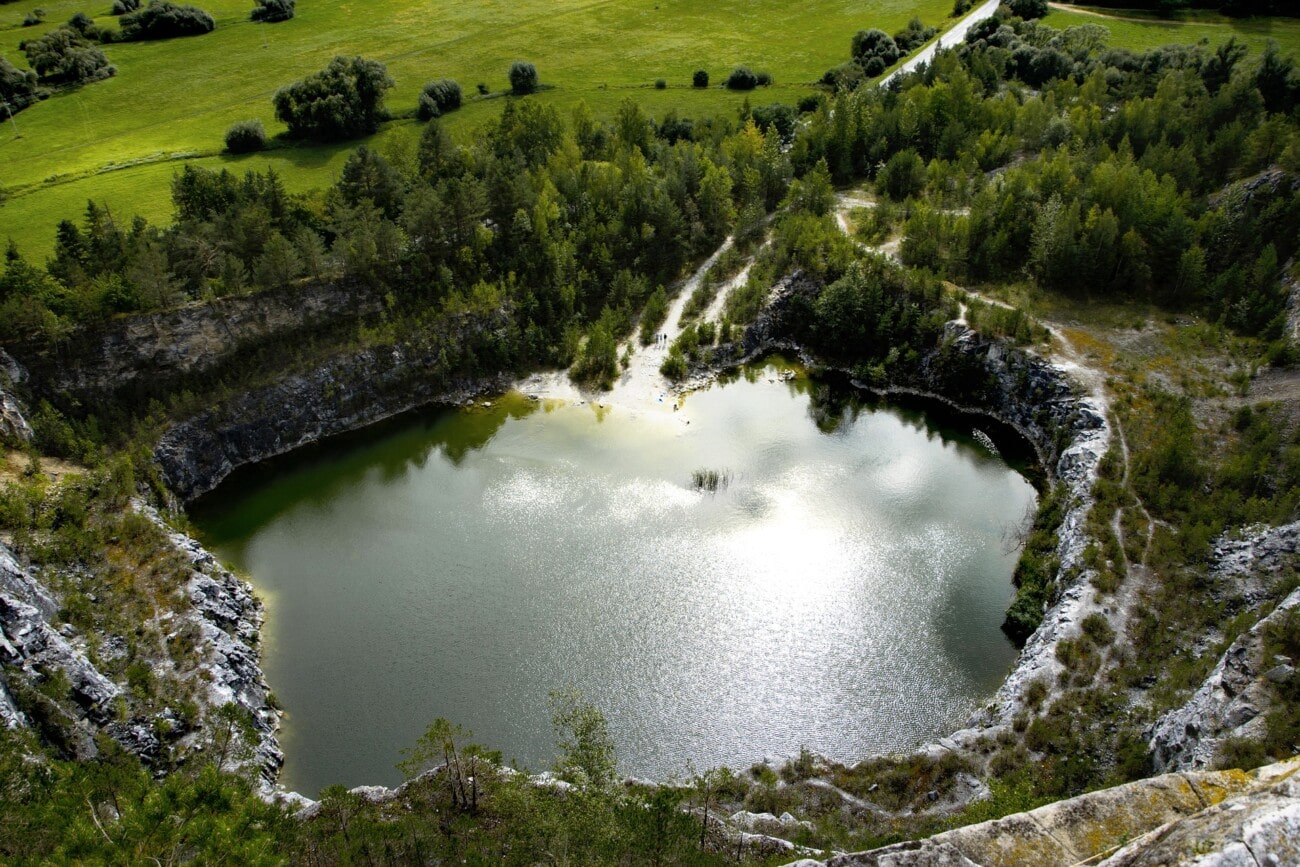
119, 141
1191, 28
173, 100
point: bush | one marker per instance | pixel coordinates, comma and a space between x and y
344, 100
84, 24
523, 78
742, 78
18, 87
913, 36
874, 43
437, 98
271, 11
764, 79
36, 16
482, 89
961, 7
810, 103
162, 19
846, 76
246, 136
1028, 8
660, 84
121, 7
65, 57
776, 116
700, 78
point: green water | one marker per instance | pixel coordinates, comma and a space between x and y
842, 589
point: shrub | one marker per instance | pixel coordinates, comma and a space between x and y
776, 116
84, 24
700, 78
764, 79
846, 76
162, 19
961, 7
65, 57
271, 11
18, 87
1028, 8
913, 36
246, 136
36, 16
523, 78
874, 43
482, 89
121, 7
660, 84
437, 98
742, 78
343, 100
809, 103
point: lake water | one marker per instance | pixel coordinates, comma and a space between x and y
842, 589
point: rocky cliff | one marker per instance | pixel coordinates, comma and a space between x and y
210, 609
13, 423
347, 393
150, 354
1207, 818
1232, 701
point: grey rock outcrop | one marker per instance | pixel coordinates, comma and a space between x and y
1223, 817
148, 353
1232, 700
347, 393
13, 421
223, 610
31, 648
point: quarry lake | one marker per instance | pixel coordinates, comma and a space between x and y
841, 589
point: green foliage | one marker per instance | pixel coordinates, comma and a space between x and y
1028, 8
874, 50
18, 88
914, 36
162, 19
653, 315
246, 136
65, 57
742, 78
700, 78
272, 11
586, 756
344, 100
523, 78
438, 97
1035, 575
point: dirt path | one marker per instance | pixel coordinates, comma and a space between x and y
954, 36
1096, 13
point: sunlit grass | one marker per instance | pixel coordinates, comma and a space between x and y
173, 100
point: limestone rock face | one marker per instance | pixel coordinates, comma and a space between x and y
348, 392
146, 354
13, 423
1220, 818
218, 606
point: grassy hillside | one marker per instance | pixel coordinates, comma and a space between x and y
1139, 31
175, 99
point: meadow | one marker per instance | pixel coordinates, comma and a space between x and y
172, 100
119, 141
1139, 31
